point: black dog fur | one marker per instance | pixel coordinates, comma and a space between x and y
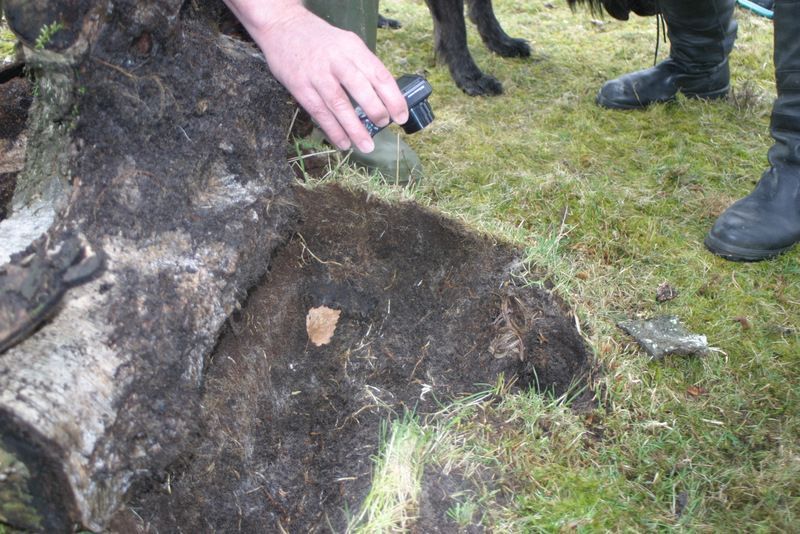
450, 38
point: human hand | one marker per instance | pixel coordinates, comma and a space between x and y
320, 65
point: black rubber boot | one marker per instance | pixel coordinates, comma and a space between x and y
701, 36
766, 222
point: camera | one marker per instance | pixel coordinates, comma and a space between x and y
416, 91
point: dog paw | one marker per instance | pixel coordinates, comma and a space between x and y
484, 85
510, 47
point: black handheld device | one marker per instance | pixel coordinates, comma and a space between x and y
416, 90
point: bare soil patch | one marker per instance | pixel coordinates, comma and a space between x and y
429, 312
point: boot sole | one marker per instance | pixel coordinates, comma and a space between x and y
712, 95
734, 253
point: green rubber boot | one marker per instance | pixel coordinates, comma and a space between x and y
392, 157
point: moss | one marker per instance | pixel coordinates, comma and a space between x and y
16, 503
8, 43
46, 34
52, 117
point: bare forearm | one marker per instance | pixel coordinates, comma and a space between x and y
257, 15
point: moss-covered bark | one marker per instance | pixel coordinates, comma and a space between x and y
52, 116
16, 498
54, 37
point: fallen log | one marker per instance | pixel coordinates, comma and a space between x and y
154, 192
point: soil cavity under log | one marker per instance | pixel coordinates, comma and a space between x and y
429, 312
15, 99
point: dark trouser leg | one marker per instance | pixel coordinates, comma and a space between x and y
701, 36
767, 221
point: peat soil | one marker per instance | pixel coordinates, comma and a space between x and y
429, 312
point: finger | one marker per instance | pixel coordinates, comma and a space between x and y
360, 89
316, 107
386, 87
339, 105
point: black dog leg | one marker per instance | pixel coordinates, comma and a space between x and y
450, 37
481, 14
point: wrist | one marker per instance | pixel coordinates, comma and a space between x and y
260, 16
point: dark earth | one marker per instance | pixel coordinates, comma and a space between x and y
15, 99
287, 432
289, 429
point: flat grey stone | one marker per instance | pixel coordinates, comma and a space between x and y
664, 335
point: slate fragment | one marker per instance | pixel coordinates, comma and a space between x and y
664, 335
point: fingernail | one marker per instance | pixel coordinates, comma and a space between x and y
403, 118
366, 146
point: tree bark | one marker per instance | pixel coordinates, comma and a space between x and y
156, 177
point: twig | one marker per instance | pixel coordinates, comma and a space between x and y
291, 125
305, 248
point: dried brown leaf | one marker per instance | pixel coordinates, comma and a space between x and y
696, 391
744, 321
321, 323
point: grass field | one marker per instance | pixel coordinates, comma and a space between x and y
696, 444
